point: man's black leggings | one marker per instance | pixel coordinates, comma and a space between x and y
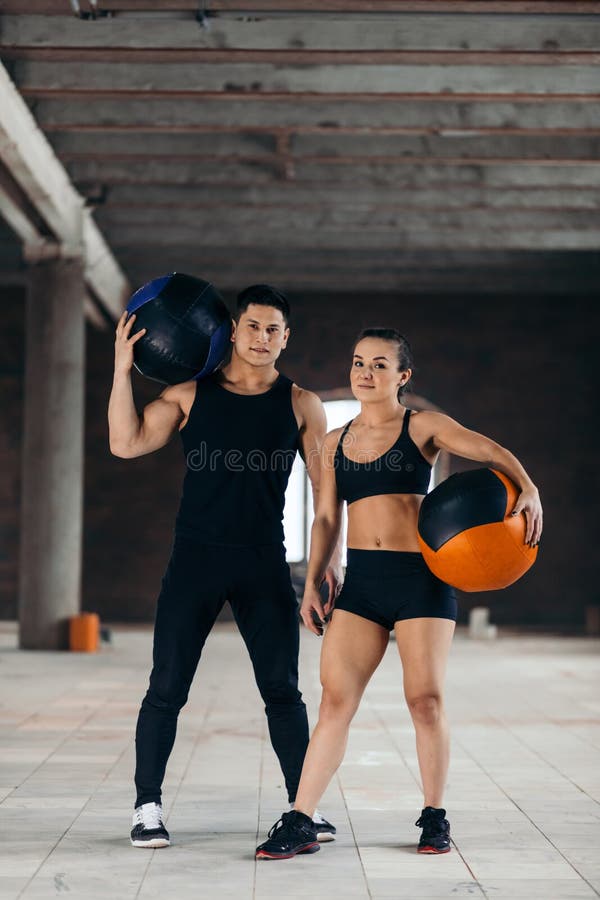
198, 581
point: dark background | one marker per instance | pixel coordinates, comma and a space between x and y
520, 369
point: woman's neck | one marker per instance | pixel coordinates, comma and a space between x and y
375, 415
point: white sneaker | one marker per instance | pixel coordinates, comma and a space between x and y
148, 826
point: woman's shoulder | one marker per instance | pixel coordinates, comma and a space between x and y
428, 416
426, 423
332, 438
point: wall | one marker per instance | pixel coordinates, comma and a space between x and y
518, 369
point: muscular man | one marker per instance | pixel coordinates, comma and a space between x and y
240, 429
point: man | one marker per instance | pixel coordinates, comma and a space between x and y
240, 430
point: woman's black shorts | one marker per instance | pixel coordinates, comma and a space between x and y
387, 586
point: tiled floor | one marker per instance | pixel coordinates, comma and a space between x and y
523, 793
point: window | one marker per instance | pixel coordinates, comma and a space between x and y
298, 515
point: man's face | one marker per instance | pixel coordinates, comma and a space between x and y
260, 335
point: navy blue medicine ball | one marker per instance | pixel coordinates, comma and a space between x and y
188, 328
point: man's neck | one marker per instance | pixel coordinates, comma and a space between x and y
244, 378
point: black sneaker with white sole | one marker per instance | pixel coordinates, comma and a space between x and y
435, 837
148, 827
325, 830
293, 833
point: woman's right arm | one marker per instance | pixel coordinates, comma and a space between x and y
324, 535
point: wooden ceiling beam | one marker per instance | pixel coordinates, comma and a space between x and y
406, 259
373, 131
267, 159
499, 173
252, 96
528, 7
289, 31
210, 56
212, 115
327, 221
345, 78
509, 235
368, 145
299, 195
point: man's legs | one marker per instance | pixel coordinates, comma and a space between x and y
266, 611
190, 600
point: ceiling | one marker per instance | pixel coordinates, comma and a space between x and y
387, 145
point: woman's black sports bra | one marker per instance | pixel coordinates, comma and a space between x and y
401, 470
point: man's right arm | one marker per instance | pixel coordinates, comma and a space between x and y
130, 434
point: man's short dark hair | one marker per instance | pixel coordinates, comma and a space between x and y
263, 295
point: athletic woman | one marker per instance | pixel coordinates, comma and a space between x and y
380, 464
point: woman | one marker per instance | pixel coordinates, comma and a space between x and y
388, 586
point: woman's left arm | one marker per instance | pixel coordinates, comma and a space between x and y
447, 434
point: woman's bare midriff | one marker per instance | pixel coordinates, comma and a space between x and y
384, 522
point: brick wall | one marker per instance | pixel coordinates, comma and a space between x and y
516, 369
519, 370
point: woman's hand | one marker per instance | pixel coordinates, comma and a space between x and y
312, 605
528, 502
334, 578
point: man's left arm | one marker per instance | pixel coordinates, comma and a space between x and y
312, 434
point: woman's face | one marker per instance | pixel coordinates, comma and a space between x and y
374, 374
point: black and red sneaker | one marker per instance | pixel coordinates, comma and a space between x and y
435, 837
293, 833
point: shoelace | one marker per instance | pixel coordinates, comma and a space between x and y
150, 816
275, 827
431, 825
279, 824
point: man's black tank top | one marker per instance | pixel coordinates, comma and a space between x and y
239, 451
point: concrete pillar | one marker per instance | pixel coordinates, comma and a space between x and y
52, 470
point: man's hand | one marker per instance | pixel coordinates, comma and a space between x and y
124, 343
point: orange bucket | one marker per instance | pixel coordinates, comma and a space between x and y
84, 632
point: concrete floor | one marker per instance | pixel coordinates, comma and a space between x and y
523, 793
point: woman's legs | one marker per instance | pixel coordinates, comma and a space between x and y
424, 644
352, 649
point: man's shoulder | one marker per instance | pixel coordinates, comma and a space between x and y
308, 406
180, 394
303, 395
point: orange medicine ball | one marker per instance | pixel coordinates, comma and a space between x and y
467, 535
